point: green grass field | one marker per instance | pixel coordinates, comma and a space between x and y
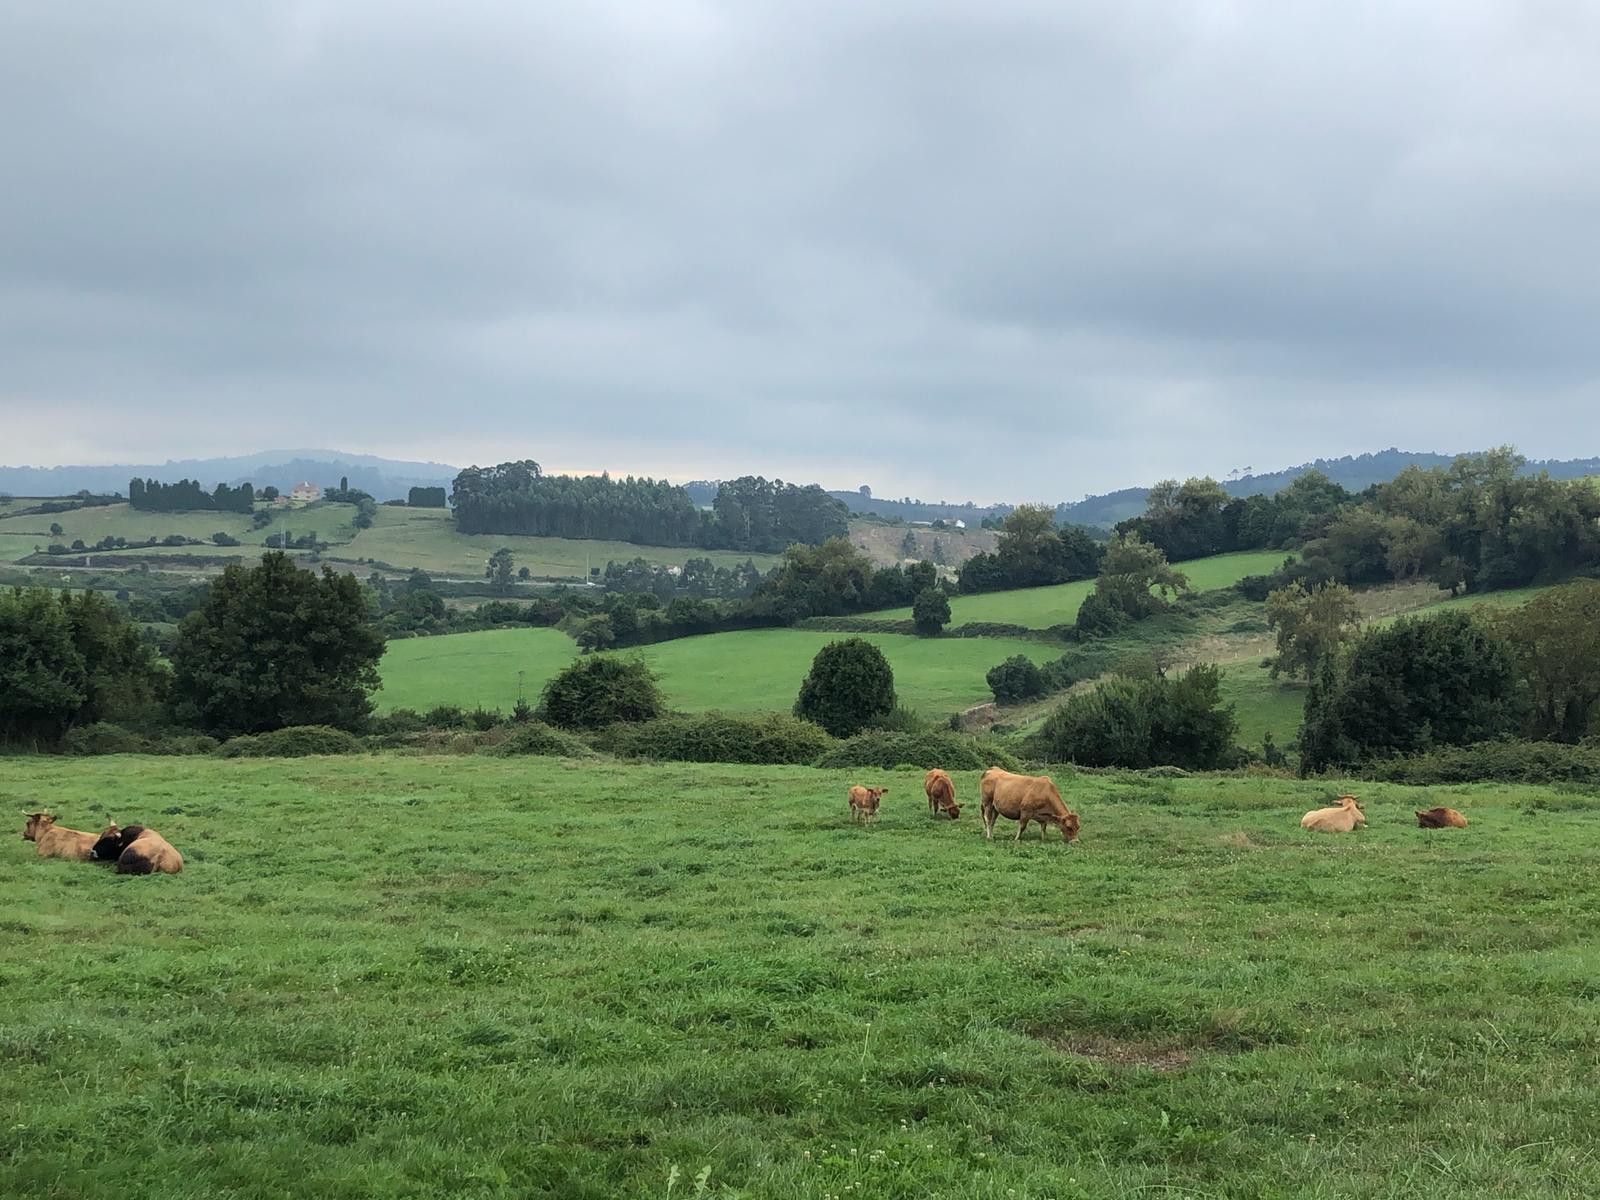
390, 977
746, 671
1040, 608
1262, 704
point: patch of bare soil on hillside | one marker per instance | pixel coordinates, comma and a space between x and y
1153, 1056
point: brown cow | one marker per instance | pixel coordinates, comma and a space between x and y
1341, 818
1025, 798
1441, 818
941, 793
54, 841
864, 802
138, 851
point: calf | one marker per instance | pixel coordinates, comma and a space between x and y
941, 793
1341, 818
53, 841
864, 802
1441, 818
1025, 798
138, 851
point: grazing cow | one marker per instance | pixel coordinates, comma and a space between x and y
1341, 818
1441, 818
138, 851
864, 802
1025, 798
941, 793
54, 841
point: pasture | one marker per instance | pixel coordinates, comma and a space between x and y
1040, 608
752, 670
471, 977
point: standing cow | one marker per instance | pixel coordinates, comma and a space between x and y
1025, 798
864, 803
941, 793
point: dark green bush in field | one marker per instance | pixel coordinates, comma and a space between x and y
887, 750
398, 720
850, 686
1144, 723
1501, 762
293, 741
535, 737
600, 690
1018, 678
104, 738
930, 611
719, 737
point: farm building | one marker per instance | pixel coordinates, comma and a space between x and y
304, 493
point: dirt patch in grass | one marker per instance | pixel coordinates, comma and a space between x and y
1154, 1056
1240, 841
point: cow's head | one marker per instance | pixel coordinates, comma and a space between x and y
953, 809
1069, 826
872, 797
108, 846
38, 822
1354, 806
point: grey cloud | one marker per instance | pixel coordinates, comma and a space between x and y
893, 243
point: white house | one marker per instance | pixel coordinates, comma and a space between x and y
304, 493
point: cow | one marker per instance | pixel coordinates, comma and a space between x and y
138, 851
1341, 818
1441, 818
1025, 798
55, 841
941, 793
864, 802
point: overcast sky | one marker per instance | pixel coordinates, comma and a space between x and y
993, 250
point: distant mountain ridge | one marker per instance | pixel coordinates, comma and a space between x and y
384, 478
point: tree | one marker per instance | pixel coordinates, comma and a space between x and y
850, 686
600, 690
499, 570
425, 497
269, 493
1136, 723
1310, 624
1018, 678
55, 528
930, 611
1556, 640
908, 545
524, 574
274, 645
1134, 583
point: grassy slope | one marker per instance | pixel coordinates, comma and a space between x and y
745, 671
1040, 608
468, 977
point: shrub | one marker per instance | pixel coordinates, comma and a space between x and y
102, 737
1506, 762
720, 737
445, 716
292, 741
600, 690
850, 686
930, 611
1018, 678
888, 750
1145, 723
535, 737
397, 720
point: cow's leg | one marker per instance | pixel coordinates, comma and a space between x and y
1022, 823
988, 824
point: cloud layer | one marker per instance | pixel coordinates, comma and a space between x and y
988, 250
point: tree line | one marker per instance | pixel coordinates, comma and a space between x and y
748, 514
186, 495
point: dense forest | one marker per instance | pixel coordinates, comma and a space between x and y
747, 514
188, 496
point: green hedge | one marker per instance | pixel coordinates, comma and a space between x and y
1506, 762
295, 741
535, 737
952, 751
105, 738
719, 737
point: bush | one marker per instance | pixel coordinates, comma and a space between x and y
886, 750
1018, 678
445, 716
397, 720
600, 690
849, 687
1139, 723
102, 737
535, 737
1505, 762
293, 741
930, 611
720, 737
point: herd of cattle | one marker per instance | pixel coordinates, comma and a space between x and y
1024, 798
135, 849
138, 850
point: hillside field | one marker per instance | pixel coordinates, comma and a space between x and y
387, 977
750, 670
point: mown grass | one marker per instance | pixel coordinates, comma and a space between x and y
1040, 608
464, 977
756, 670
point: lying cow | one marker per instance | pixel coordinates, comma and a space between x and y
1025, 798
1341, 818
1441, 818
54, 841
941, 793
138, 851
864, 802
